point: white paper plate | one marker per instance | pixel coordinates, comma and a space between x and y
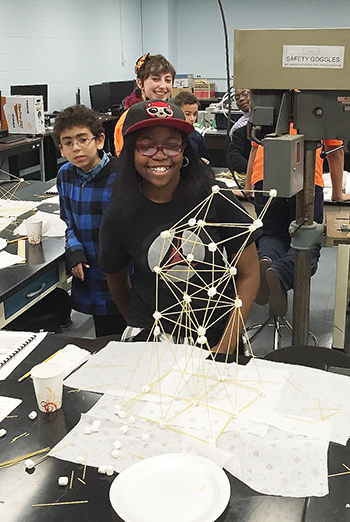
171, 488
3, 243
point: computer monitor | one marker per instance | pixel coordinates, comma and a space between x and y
100, 97
119, 90
32, 90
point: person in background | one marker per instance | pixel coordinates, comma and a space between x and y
242, 97
161, 181
275, 252
189, 104
154, 77
84, 185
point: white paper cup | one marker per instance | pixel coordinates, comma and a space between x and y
48, 384
34, 231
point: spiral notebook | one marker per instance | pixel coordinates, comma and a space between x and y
14, 347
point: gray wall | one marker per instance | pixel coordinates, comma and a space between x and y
68, 44
74, 43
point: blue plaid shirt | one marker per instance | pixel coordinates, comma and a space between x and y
82, 203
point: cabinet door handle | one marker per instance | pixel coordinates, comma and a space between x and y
37, 292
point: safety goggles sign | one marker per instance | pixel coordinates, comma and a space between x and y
313, 56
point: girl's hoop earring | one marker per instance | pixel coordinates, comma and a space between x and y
186, 161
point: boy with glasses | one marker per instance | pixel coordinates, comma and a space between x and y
84, 185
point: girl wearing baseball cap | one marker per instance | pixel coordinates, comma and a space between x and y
193, 278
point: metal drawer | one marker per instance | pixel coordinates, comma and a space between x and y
32, 291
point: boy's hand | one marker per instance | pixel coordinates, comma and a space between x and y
78, 270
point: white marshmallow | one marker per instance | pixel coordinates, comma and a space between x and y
132, 419
215, 189
201, 222
157, 315
190, 258
115, 453
145, 437
117, 444
212, 247
29, 464
211, 291
187, 298
156, 331
102, 469
63, 481
110, 470
87, 430
124, 429
80, 459
202, 339
258, 223
2, 432
233, 270
146, 388
122, 414
201, 330
32, 415
156, 269
192, 222
273, 193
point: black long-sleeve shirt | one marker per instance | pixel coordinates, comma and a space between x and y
239, 150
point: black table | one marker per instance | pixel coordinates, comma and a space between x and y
20, 489
13, 150
21, 286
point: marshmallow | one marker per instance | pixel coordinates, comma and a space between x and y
124, 429
110, 470
122, 414
238, 302
211, 291
233, 270
201, 222
273, 193
212, 247
117, 409
192, 222
80, 459
2, 432
145, 437
156, 269
157, 315
32, 415
116, 444
102, 469
190, 258
87, 430
164, 234
115, 453
95, 426
201, 330
29, 464
63, 481
258, 223
132, 419
187, 298
202, 339
146, 388
156, 331
215, 189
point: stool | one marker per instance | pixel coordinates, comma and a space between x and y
277, 322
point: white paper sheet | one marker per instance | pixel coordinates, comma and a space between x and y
7, 404
277, 444
7, 259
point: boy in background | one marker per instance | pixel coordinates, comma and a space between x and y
85, 190
190, 105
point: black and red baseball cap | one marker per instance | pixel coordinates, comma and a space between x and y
150, 113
